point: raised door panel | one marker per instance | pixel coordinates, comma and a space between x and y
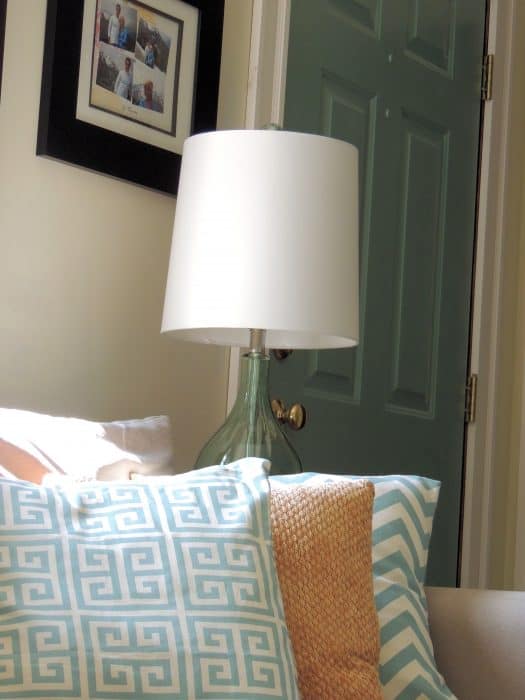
348, 112
365, 15
431, 34
418, 267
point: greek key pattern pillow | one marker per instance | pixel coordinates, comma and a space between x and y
163, 589
403, 513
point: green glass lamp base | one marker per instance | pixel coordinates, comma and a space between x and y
250, 430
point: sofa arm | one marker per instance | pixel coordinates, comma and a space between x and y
479, 641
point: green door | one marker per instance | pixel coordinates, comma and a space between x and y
401, 80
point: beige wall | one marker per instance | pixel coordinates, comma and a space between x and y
83, 263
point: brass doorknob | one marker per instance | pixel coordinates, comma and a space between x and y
295, 416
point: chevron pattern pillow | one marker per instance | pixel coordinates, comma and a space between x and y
404, 508
152, 590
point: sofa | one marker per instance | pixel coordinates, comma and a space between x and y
479, 641
478, 635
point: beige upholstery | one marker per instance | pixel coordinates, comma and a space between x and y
479, 641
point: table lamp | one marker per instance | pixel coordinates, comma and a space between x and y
264, 255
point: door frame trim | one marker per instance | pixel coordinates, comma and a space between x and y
265, 104
264, 98
488, 343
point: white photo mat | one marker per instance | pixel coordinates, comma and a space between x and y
167, 126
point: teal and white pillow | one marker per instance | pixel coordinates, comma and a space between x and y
404, 508
164, 589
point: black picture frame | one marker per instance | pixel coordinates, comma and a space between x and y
3, 14
64, 137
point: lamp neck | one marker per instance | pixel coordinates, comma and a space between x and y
257, 341
253, 384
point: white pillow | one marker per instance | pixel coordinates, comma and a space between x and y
80, 448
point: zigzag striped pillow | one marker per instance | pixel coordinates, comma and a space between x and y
404, 508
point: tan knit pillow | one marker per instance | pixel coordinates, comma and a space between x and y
323, 550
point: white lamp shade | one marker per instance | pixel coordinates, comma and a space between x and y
265, 237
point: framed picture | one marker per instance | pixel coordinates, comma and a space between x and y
126, 82
3, 13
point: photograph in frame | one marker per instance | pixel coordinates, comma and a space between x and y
125, 83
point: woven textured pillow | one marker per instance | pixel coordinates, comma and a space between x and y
404, 508
162, 590
322, 541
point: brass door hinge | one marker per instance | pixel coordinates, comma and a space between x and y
470, 398
487, 76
